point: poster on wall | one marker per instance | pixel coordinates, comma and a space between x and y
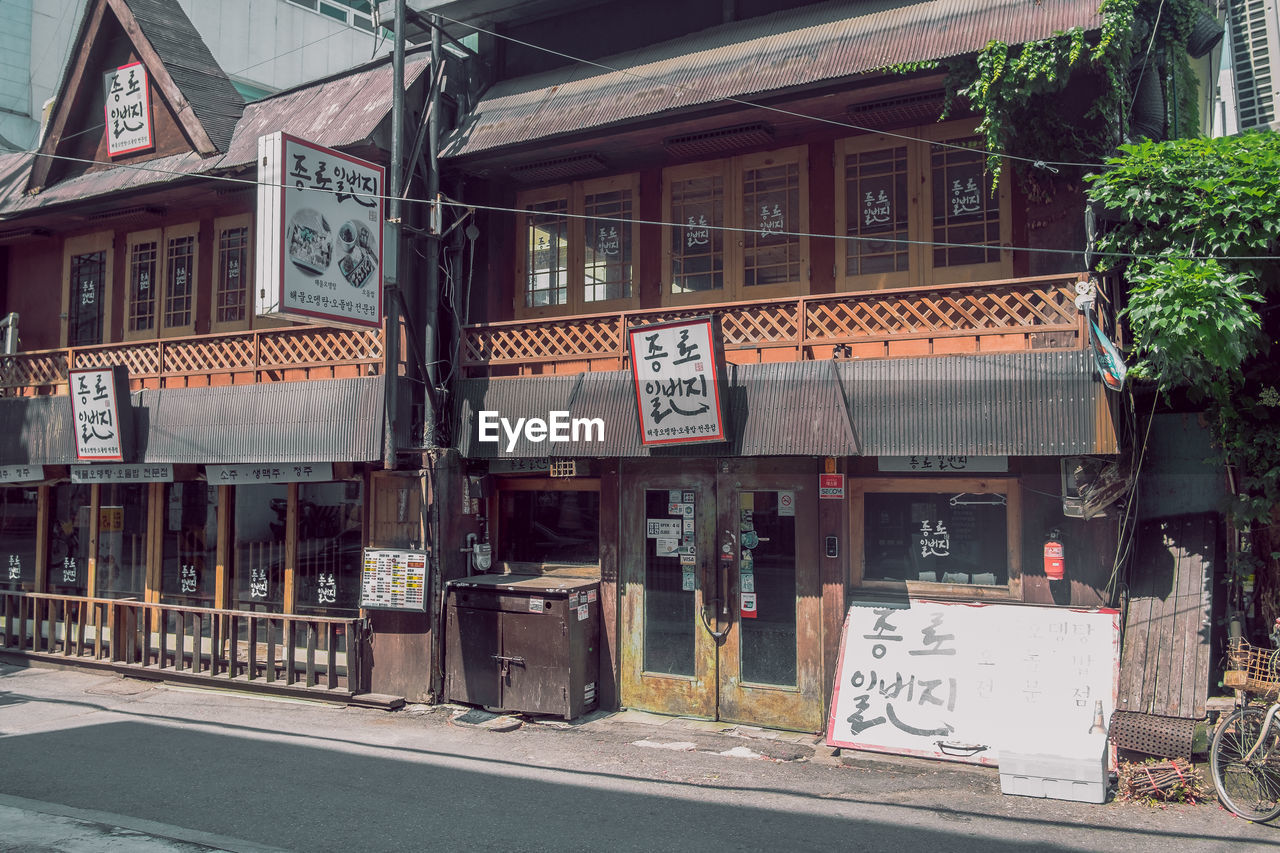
128, 109
676, 369
320, 222
100, 413
943, 680
394, 579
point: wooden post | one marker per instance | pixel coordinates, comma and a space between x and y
290, 550
225, 555
42, 538
95, 503
155, 542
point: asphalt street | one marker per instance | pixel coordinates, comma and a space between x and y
95, 762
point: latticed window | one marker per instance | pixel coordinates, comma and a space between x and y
738, 228
142, 286
952, 229
697, 238
88, 276
180, 270
233, 263
547, 247
579, 246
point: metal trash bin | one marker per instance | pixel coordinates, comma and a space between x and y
523, 643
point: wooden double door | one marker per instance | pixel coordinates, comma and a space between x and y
720, 599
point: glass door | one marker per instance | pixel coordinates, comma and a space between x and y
668, 592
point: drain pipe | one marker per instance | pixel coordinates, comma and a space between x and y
10, 326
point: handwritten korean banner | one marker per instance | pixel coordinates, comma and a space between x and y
128, 109
320, 222
96, 410
963, 681
676, 368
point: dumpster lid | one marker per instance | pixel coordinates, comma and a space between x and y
524, 583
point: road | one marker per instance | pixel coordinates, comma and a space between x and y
95, 762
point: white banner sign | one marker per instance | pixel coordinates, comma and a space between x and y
128, 109
21, 473
283, 472
95, 409
963, 681
157, 473
675, 367
934, 464
319, 234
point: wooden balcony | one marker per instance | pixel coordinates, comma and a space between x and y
288, 354
992, 316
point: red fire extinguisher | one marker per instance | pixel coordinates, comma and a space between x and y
1054, 557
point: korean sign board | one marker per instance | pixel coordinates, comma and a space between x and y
394, 579
21, 473
128, 110
100, 411
159, 472
943, 680
677, 368
320, 221
279, 472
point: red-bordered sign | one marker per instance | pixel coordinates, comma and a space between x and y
127, 110
677, 368
320, 224
100, 420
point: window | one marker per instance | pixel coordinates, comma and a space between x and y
951, 229
18, 513
330, 547
68, 543
122, 540
162, 282
545, 521
232, 273
578, 246
189, 557
86, 278
261, 514
763, 200
941, 536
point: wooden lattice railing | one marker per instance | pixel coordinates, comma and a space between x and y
1014, 314
269, 355
313, 655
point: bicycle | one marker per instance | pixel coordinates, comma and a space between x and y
1244, 758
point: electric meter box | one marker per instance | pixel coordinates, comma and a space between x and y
526, 643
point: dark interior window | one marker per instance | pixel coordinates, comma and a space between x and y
549, 527
942, 537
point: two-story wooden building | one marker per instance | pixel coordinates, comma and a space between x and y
887, 317
260, 451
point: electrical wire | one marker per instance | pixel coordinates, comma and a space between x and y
143, 167
1033, 161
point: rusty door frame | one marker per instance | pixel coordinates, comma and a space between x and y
799, 708
694, 696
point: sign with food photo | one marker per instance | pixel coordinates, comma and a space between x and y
320, 222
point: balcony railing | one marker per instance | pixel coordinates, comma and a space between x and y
233, 358
313, 655
991, 316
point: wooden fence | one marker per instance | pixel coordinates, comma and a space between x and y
271, 651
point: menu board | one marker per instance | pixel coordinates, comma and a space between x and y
394, 579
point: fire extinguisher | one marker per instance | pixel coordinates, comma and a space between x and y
1054, 556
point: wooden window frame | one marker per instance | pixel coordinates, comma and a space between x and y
732, 170
84, 244
575, 196
136, 238
221, 225
920, 269
539, 484
160, 283
1007, 486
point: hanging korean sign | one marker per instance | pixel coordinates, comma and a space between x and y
128, 109
676, 368
161, 472
99, 413
280, 472
320, 227
394, 579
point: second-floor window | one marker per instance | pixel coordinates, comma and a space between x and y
578, 247
232, 297
737, 228
162, 281
918, 212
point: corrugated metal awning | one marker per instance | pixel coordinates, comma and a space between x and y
784, 50
1006, 404
786, 409
331, 420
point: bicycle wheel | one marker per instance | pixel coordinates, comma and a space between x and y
1249, 787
